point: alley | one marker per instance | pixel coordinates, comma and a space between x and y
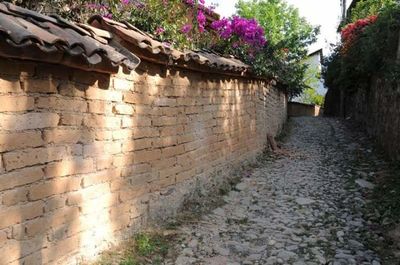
304, 207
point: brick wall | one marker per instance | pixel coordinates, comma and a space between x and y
87, 158
296, 109
377, 109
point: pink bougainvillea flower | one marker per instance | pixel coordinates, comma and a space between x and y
97, 6
186, 28
246, 30
201, 20
190, 2
166, 44
160, 30
125, 2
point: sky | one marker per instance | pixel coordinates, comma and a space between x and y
325, 13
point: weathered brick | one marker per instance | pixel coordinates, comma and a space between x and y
166, 102
104, 162
100, 107
99, 121
10, 86
75, 149
120, 217
74, 198
164, 163
3, 237
69, 167
53, 253
122, 134
13, 250
172, 151
33, 156
135, 145
66, 136
146, 110
2, 169
122, 160
133, 192
31, 228
123, 84
166, 111
171, 130
20, 177
28, 121
186, 138
146, 156
145, 132
18, 214
193, 109
40, 85
113, 148
124, 109
102, 148
135, 170
55, 186
15, 196
95, 191
71, 89
136, 98
57, 103
103, 135
136, 121
169, 172
117, 184
71, 119
12, 141
165, 141
186, 101
103, 94
100, 177
16, 103
181, 80
193, 145
55, 202
165, 121
170, 91
185, 175
163, 183
63, 215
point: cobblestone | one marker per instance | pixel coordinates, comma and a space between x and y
298, 208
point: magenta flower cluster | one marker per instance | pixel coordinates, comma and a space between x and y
246, 30
201, 20
101, 8
200, 17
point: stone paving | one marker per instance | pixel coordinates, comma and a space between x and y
303, 207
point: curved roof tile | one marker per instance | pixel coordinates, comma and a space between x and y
25, 34
145, 41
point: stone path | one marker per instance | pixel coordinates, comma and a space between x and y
300, 208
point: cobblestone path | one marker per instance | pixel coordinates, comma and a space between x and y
302, 208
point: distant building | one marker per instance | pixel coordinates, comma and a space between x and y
314, 62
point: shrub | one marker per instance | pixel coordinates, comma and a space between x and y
288, 35
372, 51
366, 8
239, 36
